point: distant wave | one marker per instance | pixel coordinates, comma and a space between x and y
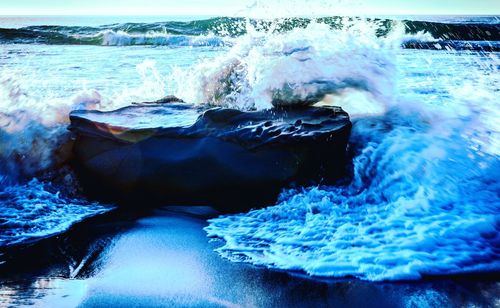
110, 38
480, 35
120, 38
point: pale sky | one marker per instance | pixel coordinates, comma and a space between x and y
232, 8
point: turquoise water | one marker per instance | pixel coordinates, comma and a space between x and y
424, 198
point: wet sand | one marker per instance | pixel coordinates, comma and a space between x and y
162, 257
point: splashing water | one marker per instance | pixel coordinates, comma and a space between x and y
33, 125
33, 139
301, 66
35, 142
33, 133
424, 196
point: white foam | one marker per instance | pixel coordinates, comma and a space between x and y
398, 35
33, 139
419, 204
424, 197
33, 123
265, 67
31, 212
122, 38
33, 129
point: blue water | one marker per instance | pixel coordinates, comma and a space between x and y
424, 196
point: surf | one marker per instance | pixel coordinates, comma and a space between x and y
39, 195
423, 197
480, 33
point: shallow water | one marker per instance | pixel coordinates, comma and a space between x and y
162, 258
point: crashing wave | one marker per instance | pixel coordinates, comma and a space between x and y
420, 204
121, 38
301, 66
220, 31
33, 141
32, 130
424, 194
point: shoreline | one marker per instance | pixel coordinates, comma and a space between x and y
162, 257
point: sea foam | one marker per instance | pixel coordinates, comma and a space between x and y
121, 38
265, 68
36, 210
424, 195
420, 203
32, 129
34, 141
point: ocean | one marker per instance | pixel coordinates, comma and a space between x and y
422, 92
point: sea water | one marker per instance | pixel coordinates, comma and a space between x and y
423, 198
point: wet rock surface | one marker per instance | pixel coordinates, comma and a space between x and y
176, 152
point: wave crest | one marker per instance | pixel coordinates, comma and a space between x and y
33, 131
220, 31
301, 66
121, 38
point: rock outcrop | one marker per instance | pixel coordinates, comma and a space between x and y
178, 153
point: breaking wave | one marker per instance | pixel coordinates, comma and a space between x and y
424, 198
120, 38
39, 194
220, 31
34, 143
301, 66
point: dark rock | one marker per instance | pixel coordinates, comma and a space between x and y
179, 153
165, 100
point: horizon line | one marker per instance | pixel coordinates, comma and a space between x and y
229, 15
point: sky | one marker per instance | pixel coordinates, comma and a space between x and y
255, 7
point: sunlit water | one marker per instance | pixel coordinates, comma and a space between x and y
424, 197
